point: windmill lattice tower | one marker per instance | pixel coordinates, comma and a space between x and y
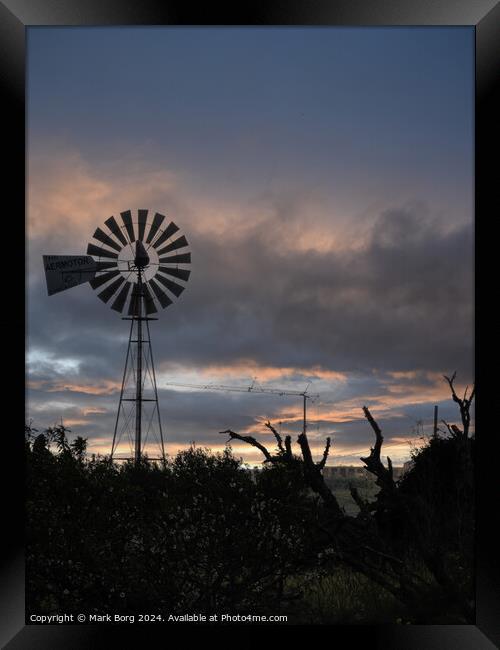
137, 266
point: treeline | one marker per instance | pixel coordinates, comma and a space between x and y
200, 533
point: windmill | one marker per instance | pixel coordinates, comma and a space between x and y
137, 267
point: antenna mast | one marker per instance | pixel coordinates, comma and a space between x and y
255, 389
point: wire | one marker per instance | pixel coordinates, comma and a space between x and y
243, 389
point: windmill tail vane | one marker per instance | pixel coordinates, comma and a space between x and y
67, 271
138, 265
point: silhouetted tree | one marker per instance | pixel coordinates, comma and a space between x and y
411, 541
202, 533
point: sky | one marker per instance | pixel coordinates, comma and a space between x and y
324, 180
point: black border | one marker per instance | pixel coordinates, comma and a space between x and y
485, 16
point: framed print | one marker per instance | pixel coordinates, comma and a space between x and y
267, 419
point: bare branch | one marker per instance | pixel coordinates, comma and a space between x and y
312, 473
251, 441
322, 462
450, 430
365, 569
315, 480
450, 381
276, 435
463, 404
389, 465
306, 450
398, 562
362, 504
373, 463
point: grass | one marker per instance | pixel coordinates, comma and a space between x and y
343, 597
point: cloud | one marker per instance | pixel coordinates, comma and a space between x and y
370, 310
68, 198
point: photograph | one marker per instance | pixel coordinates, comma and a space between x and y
250, 308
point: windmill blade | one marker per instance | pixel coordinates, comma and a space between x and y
100, 252
129, 226
178, 243
184, 258
163, 299
148, 300
157, 221
168, 232
102, 279
111, 289
121, 298
182, 274
66, 271
172, 286
143, 215
101, 236
116, 230
102, 266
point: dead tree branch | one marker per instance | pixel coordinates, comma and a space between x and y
322, 462
315, 480
364, 506
374, 465
464, 405
450, 430
363, 542
279, 439
250, 441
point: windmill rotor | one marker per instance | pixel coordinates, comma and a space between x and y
139, 242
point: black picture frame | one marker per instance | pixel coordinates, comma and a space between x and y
15, 17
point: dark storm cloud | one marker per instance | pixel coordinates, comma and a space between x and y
403, 301
399, 301
282, 190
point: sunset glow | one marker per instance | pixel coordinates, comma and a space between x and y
325, 232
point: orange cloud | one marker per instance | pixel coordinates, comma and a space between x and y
93, 411
244, 369
402, 395
397, 390
72, 422
409, 374
68, 195
398, 440
103, 387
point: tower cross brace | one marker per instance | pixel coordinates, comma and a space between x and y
141, 343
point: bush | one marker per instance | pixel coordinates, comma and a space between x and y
202, 534
199, 534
